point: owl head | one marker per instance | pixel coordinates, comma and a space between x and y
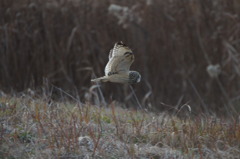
134, 77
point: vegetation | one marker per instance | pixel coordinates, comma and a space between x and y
37, 128
67, 42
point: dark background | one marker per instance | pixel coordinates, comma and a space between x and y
65, 43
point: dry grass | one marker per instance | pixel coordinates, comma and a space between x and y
67, 42
41, 128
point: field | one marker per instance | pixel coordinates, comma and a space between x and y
40, 128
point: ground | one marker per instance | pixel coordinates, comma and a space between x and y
41, 128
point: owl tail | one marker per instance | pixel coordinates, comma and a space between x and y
101, 79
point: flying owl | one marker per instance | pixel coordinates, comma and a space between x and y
117, 70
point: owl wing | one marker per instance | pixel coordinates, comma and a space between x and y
119, 64
120, 49
115, 78
110, 54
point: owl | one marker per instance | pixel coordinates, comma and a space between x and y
117, 70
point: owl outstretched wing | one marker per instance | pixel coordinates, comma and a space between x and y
115, 78
119, 49
110, 54
120, 60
